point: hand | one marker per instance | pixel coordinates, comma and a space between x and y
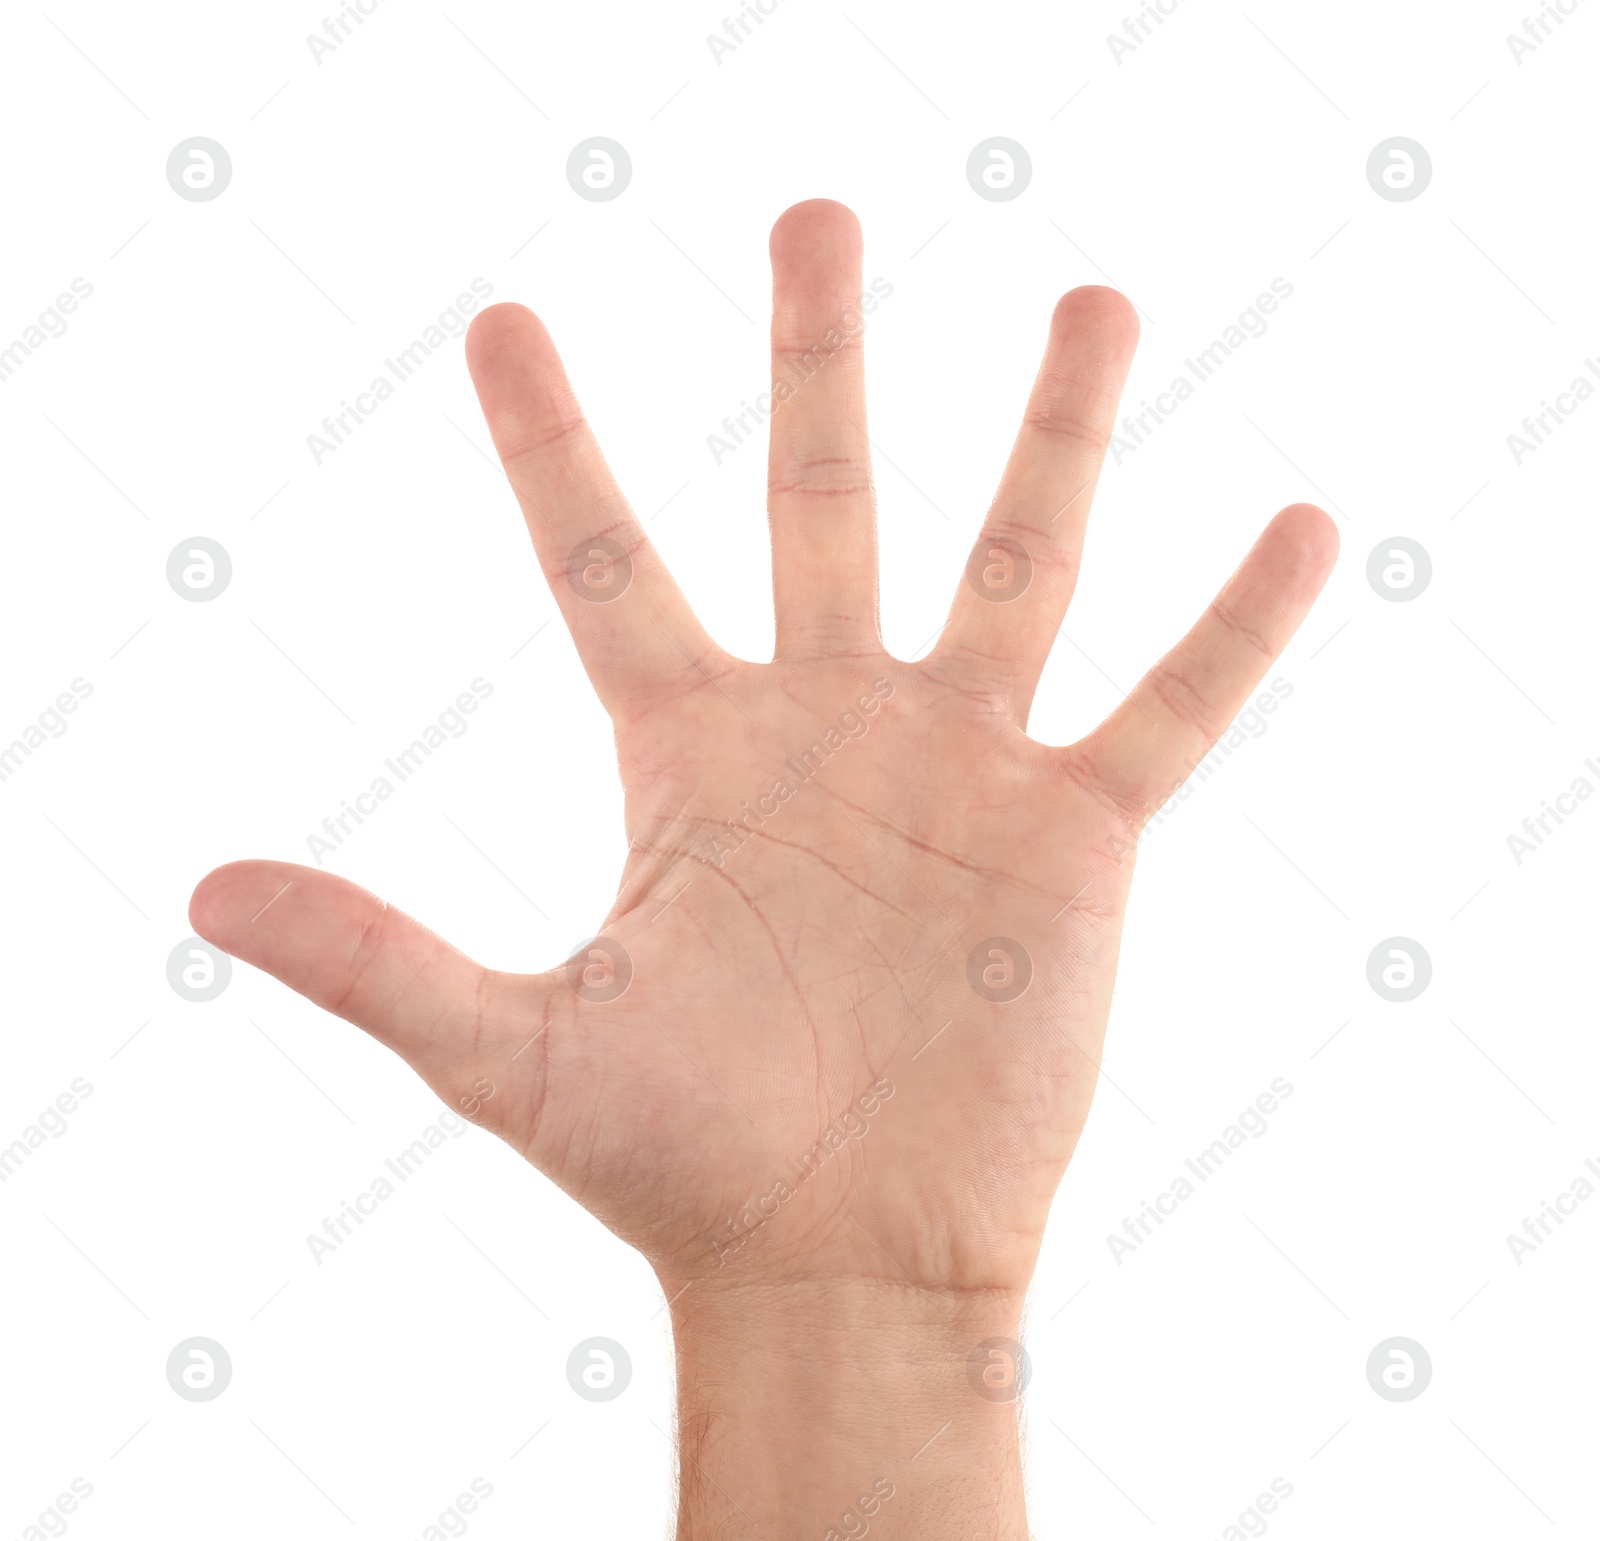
823, 1106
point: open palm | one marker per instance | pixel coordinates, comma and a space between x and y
845, 1016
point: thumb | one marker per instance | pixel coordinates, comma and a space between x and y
449, 1018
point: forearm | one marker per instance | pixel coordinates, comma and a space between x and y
822, 1412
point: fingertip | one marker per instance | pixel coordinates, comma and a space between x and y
815, 227
502, 332
211, 902
1102, 311
1308, 540
1316, 526
231, 897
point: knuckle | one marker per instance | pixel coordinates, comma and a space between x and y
523, 450
1173, 688
1231, 622
826, 476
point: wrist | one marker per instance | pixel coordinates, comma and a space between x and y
816, 1410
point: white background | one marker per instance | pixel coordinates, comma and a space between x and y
367, 192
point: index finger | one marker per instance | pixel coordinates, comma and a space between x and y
633, 628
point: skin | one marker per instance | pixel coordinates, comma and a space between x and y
813, 972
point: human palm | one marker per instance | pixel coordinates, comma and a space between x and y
845, 1017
